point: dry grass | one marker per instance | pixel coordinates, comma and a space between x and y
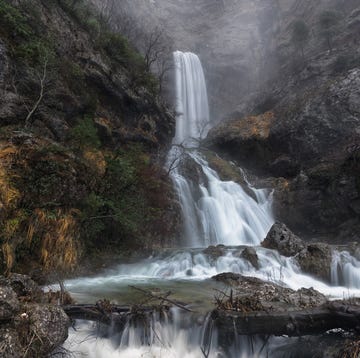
58, 235
96, 160
351, 350
8, 194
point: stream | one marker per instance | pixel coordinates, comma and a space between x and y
215, 212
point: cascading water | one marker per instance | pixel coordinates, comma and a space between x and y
214, 212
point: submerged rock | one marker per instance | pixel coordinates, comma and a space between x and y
250, 255
214, 252
280, 238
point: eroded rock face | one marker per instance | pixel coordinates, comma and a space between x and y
280, 238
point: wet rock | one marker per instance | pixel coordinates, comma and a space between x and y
250, 254
252, 294
280, 238
235, 279
215, 251
316, 260
192, 170
9, 303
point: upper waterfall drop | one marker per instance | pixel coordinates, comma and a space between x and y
192, 107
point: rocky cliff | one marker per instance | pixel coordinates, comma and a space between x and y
82, 129
310, 134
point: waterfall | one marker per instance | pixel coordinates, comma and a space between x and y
215, 212
192, 108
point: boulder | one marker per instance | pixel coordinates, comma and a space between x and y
9, 303
280, 238
316, 260
48, 324
250, 255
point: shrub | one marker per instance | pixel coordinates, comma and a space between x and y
13, 22
84, 134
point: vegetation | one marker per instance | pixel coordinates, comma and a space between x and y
63, 189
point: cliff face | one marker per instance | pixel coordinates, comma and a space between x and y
313, 138
81, 126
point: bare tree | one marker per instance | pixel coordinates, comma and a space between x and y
107, 11
42, 80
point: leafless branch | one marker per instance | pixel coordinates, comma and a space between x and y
42, 83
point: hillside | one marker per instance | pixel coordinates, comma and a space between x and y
82, 132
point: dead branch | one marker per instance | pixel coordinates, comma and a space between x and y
161, 298
42, 79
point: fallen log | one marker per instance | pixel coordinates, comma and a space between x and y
316, 320
310, 321
110, 315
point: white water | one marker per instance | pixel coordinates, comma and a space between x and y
215, 212
345, 270
192, 108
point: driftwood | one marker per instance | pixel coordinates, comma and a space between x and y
292, 323
161, 298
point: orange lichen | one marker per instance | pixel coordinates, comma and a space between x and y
253, 126
96, 160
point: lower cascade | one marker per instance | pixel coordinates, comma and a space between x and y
215, 212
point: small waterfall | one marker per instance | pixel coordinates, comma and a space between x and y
215, 212
345, 270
